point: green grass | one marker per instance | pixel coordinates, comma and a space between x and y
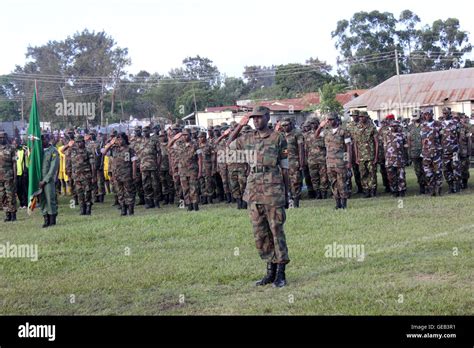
409, 252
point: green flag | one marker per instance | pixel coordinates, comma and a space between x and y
35, 148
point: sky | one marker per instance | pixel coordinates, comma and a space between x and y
233, 34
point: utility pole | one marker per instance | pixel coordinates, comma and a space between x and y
399, 88
195, 107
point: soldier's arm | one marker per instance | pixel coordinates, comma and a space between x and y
376, 142
158, 155
174, 139
284, 167
133, 158
243, 122
199, 153
301, 151
321, 127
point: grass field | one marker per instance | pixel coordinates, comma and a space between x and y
419, 260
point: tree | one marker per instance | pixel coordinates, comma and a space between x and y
257, 77
327, 95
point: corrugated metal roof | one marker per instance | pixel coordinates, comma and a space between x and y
423, 89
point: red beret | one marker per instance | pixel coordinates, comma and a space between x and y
390, 117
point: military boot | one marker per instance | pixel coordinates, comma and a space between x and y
157, 203
97, 199
343, 203
190, 207
325, 194
83, 209
270, 276
76, 200
171, 198
402, 193
123, 210
367, 194
166, 199
311, 194
116, 202
131, 209
148, 203
196, 206
46, 221
239, 203
228, 196
88, 209
422, 189
8, 217
280, 280
244, 205
204, 200
141, 200
209, 200
296, 202
13, 215
464, 184
338, 203
319, 195
374, 192
52, 219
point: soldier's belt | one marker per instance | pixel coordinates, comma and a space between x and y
261, 169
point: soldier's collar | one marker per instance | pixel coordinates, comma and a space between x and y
264, 134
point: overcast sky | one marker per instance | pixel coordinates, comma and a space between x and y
159, 34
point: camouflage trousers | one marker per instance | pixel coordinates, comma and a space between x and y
319, 176
137, 182
72, 185
207, 185
150, 184
167, 184
190, 187
267, 222
126, 191
356, 174
452, 168
338, 180
84, 187
465, 164
99, 186
224, 174
432, 169
178, 189
383, 172
396, 178
368, 175
418, 167
296, 181
238, 181
8, 195
307, 179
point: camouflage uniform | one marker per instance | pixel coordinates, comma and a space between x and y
465, 150
174, 157
83, 161
394, 143
148, 151
206, 181
365, 138
7, 180
167, 185
68, 165
306, 172
451, 160
237, 168
431, 152
123, 158
315, 149
222, 169
294, 140
265, 192
414, 150
135, 145
99, 186
351, 127
188, 169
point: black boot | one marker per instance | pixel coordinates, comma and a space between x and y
204, 200
367, 194
402, 193
343, 203
464, 184
190, 207
52, 219
131, 209
387, 189
166, 199
83, 209
8, 217
270, 276
228, 197
296, 202
196, 206
311, 194
171, 198
141, 200
97, 199
46, 221
325, 194
13, 215
422, 189
149, 204
239, 203
209, 200
157, 203
280, 280
319, 195
374, 192
76, 200
244, 205
338, 203
124, 210
438, 190
88, 209
116, 202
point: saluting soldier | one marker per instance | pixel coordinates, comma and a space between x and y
8, 178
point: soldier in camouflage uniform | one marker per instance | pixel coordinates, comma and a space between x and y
222, 169
307, 128
351, 127
66, 150
267, 192
174, 155
338, 157
83, 173
315, 150
394, 143
366, 151
450, 132
8, 178
381, 153
94, 145
206, 181
148, 151
49, 173
295, 144
166, 180
189, 168
414, 150
125, 172
237, 167
464, 147
431, 151
137, 181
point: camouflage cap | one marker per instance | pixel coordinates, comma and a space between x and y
202, 135
285, 121
332, 116
157, 126
355, 113
194, 130
446, 109
137, 128
147, 128
186, 131
80, 138
260, 111
364, 114
176, 127
224, 124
